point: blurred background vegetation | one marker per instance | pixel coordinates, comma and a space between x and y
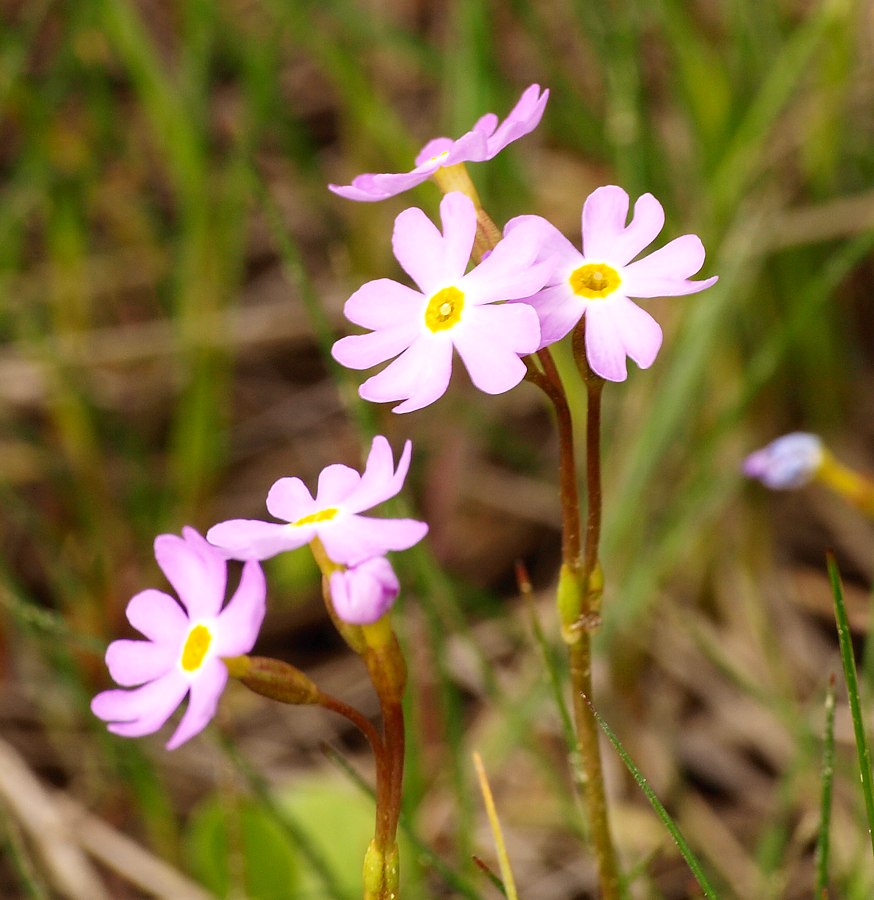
173, 269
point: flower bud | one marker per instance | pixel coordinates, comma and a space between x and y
364, 593
788, 462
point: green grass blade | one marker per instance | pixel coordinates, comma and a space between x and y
828, 771
849, 662
686, 851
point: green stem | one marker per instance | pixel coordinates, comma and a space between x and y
580, 615
387, 669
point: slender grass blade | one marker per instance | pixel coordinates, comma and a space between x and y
849, 662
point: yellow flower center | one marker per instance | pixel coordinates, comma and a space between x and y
444, 309
594, 280
323, 515
195, 648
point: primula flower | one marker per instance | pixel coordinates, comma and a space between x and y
485, 140
600, 281
364, 593
332, 517
185, 644
790, 461
451, 309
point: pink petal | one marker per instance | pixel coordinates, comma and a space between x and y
509, 272
458, 216
371, 187
136, 662
418, 247
202, 702
240, 621
382, 304
434, 148
470, 147
605, 349
336, 482
646, 223
420, 375
361, 537
604, 214
364, 593
551, 242
664, 272
486, 125
157, 616
289, 499
490, 343
361, 351
251, 539
641, 334
143, 710
522, 119
195, 570
379, 481
559, 309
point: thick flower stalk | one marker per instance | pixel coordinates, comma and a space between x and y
484, 141
185, 645
333, 515
599, 281
452, 310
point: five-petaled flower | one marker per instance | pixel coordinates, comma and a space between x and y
451, 309
600, 281
332, 516
364, 593
485, 140
185, 644
790, 461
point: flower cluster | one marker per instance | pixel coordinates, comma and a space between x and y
550, 285
529, 290
190, 644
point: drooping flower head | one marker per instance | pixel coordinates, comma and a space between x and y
790, 461
599, 281
184, 645
450, 309
364, 593
332, 516
485, 140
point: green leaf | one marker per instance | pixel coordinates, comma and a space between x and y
239, 850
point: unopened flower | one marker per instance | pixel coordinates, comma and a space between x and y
485, 140
364, 593
599, 281
185, 644
790, 461
332, 516
450, 309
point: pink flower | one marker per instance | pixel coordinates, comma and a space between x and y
599, 281
364, 593
790, 461
451, 309
332, 517
485, 140
185, 644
